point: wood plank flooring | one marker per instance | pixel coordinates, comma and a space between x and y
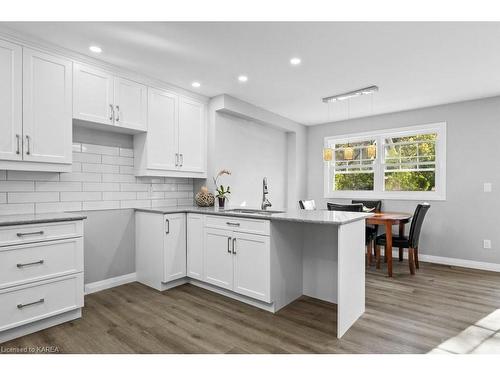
405, 314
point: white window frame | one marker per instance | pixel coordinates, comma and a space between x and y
380, 135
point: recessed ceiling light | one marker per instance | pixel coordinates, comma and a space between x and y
295, 61
196, 84
242, 78
95, 49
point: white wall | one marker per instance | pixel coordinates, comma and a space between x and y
454, 228
251, 151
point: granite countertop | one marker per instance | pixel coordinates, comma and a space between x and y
302, 216
39, 218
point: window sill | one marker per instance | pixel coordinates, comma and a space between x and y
395, 195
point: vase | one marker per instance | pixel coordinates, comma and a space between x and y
222, 201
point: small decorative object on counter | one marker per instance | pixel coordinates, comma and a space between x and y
222, 193
204, 198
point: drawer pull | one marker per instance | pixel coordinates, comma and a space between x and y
23, 305
30, 234
233, 224
21, 265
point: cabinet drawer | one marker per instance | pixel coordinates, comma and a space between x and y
29, 303
31, 262
237, 224
19, 234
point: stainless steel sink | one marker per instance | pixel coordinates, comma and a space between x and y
254, 211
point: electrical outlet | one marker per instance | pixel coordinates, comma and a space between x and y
486, 244
487, 187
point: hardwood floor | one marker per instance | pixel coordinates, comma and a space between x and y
405, 314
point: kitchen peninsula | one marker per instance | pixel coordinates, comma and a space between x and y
263, 258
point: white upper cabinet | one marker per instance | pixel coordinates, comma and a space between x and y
103, 98
47, 104
92, 95
35, 110
161, 140
175, 143
192, 139
130, 99
11, 106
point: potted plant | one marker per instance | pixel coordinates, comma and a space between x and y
222, 192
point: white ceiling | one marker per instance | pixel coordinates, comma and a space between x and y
414, 64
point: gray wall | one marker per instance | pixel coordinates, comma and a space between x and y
456, 227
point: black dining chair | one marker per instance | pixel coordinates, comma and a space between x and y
307, 204
411, 241
371, 230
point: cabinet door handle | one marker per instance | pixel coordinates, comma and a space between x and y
20, 234
233, 224
28, 138
229, 245
111, 113
22, 305
182, 159
18, 139
176, 160
167, 231
117, 113
234, 245
21, 265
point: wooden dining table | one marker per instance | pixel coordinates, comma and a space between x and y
388, 219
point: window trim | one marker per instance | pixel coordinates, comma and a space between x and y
378, 192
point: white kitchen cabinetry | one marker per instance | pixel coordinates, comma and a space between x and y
236, 258
195, 226
11, 97
160, 248
102, 98
41, 276
35, 110
175, 144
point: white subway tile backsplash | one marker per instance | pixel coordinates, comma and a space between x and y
98, 149
100, 168
57, 207
100, 205
17, 209
119, 195
81, 196
101, 186
127, 152
17, 186
58, 186
26, 197
82, 177
82, 157
30, 176
117, 160
102, 178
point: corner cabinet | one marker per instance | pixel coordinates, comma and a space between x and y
35, 110
103, 100
160, 248
175, 144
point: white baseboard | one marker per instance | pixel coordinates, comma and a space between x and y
110, 283
485, 266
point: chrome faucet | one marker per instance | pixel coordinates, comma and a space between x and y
265, 201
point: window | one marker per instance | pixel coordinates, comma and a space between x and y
404, 163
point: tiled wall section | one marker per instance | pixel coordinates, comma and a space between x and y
102, 178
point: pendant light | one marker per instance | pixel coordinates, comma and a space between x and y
372, 151
348, 152
327, 154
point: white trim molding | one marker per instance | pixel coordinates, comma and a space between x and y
378, 166
465, 263
110, 283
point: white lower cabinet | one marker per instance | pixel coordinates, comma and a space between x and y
41, 276
238, 260
160, 248
195, 225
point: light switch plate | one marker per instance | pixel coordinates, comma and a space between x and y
487, 187
487, 244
